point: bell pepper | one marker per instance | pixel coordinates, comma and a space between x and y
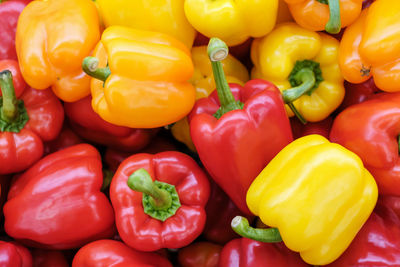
331, 15
357, 93
62, 190
371, 129
160, 16
105, 253
48, 258
244, 252
230, 126
392, 202
233, 22
166, 213
88, 124
52, 39
316, 215
199, 254
203, 81
304, 65
370, 46
322, 127
26, 122
65, 139
377, 243
15, 255
220, 211
132, 65
9, 14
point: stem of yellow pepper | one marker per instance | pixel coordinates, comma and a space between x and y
90, 67
217, 50
241, 226
334, 23
9, 109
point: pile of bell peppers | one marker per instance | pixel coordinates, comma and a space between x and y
197, 133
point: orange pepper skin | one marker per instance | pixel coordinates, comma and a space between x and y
52, 39
148, 86
370, 47
313, 15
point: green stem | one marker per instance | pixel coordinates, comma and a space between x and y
107, 177
241, 226
334, 23
9, 110
217, 51
141, 181
90, 67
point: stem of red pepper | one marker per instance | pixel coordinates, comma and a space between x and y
241, 226
217, 50
9, 109
334, 23
90, 67
107, 177
160, 200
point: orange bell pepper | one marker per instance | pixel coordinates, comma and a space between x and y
52, 39
331, 15
371, 47
140, 78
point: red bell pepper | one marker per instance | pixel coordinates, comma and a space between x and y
236, 139
110, 253
57, 202
48, 258
88, 124
244, 252
220, 211
65, 139
357, 93
376, 244
322, 127
392, 202
170, 213
113, 158
371, 129
199, 254
14, 255
9, 14
25, 123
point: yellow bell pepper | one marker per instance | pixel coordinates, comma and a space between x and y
140, 78
52, 39
232, 21
304, 65
166, 16
203, 81
317, 194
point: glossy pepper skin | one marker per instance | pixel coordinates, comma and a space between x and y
199, 254
232, 21
66, 138
144, 65
370, 129
376, 244
225, 145
111, 253
67, 185
15, 255
90, 126
53, 37
160, 16
371, 46
283, 56
314, 15
244, 252
203, 81
144, 232
9, 14
22, 146
308, 177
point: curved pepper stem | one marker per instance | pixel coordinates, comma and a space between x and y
217, 51
241, 226
9, 110
160, 200
90, 67
334, 23
107, 177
